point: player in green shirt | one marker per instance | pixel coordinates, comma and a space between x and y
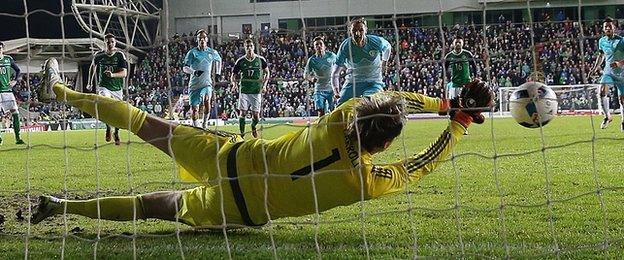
110, 68
462, 65
251, 73
7, 99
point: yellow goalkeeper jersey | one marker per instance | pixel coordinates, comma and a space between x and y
316, 168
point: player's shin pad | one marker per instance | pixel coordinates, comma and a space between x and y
113, 112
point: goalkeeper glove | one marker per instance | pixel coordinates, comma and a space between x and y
198, 73
475, 97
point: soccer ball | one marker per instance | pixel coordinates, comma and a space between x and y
533, 104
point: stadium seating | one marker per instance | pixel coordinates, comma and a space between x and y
420, 70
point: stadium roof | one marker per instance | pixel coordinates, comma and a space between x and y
81, 49
134, 23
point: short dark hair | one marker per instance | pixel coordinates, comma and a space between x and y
319, 38
109, 35
2, 44
249, 41
377, 120
358, 20
608, 20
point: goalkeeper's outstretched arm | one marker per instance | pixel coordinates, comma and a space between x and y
395, 177
418, 103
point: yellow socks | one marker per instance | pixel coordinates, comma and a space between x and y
111, 208
113, 112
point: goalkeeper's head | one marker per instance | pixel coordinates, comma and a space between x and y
377, 121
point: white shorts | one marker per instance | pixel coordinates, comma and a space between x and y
453, 91
109, 93
249, 102
7, 102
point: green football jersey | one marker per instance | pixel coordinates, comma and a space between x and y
460, 67
6, 74
252, 74
114, 63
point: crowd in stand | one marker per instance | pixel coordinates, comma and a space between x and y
507, 61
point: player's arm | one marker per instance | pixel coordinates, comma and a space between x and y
447, 64
336, 70
599, 60
334, 86
122, 72
618, 63
92, 80
188, 59
307, 72
17, 73
235, 74
122, 64
473, 64
417, 103
218, 66
386, 50
339, 66
597, 63
266, 75
396, 176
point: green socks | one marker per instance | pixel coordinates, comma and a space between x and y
241, 125
254, 123
16, 126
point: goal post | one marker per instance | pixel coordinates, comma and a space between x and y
573, 99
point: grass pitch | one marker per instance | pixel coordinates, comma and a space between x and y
508, 192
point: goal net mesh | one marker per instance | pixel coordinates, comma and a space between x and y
504, 192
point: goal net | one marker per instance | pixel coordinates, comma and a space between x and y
502, 192
572, 99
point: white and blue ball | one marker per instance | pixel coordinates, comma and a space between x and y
533, 104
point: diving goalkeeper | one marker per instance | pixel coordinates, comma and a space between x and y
313, 169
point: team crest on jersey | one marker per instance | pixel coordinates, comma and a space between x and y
372, 53
328, 60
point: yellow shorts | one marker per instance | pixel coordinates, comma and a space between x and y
202, 156
205, 207
197, 152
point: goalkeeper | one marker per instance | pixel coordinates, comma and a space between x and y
314, 169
